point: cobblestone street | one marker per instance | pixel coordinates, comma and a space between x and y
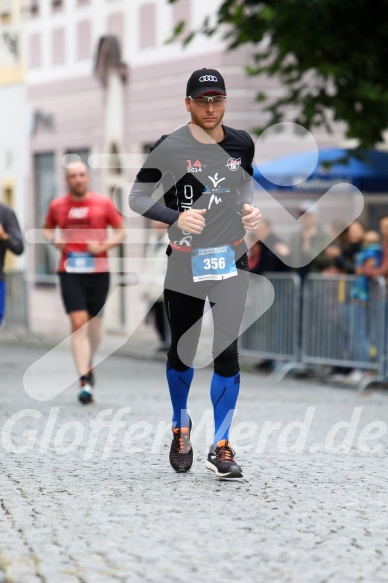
88, 501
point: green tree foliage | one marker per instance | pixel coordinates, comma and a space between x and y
331, 56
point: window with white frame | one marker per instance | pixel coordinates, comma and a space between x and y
147, 28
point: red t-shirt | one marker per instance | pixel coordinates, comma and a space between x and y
81, 222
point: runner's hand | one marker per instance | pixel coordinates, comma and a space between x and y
59, 243
192, 221
97, 247
3, 234
251, 217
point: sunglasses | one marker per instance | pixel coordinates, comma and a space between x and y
216, 100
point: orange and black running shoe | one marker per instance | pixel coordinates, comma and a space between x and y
221, 461
181, 452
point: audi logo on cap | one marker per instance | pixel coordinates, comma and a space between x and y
208, 78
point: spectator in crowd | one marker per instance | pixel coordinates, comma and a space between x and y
306, 245
267, 253
265, 256
345, 260
370, 256
379, 270
307, 249
374, 271
337, 232
155, 270
11, 239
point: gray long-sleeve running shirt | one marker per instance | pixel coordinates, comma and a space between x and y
216, 177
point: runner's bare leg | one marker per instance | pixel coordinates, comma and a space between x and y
80, 342
94, 332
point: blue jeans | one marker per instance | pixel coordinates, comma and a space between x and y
359, 340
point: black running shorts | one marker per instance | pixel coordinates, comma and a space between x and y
84, 291
185, 302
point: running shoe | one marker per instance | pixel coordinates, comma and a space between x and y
221, 461
181, 452
86, 393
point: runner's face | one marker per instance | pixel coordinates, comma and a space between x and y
77, 179
208, 117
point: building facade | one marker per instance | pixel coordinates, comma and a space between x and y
104, 84
14, 144
14, 116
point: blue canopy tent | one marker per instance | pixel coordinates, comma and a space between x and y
368, 173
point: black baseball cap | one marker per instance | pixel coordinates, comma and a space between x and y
203, 81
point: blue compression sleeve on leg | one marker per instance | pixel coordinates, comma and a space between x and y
179, 384
223, 393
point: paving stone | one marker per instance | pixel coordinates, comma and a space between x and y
111, 508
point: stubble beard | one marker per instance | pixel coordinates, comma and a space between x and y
79, 193
206, 125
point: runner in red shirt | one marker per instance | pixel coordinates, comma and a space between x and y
76, 224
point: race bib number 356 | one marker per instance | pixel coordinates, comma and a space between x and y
213, 263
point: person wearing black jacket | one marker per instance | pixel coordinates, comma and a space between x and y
346, 259
261, 258
11, 239
205, 169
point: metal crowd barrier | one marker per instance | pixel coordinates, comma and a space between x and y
16, 304
275, 335
320, 325
339, 329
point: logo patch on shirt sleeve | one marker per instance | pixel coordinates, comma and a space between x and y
233, 164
